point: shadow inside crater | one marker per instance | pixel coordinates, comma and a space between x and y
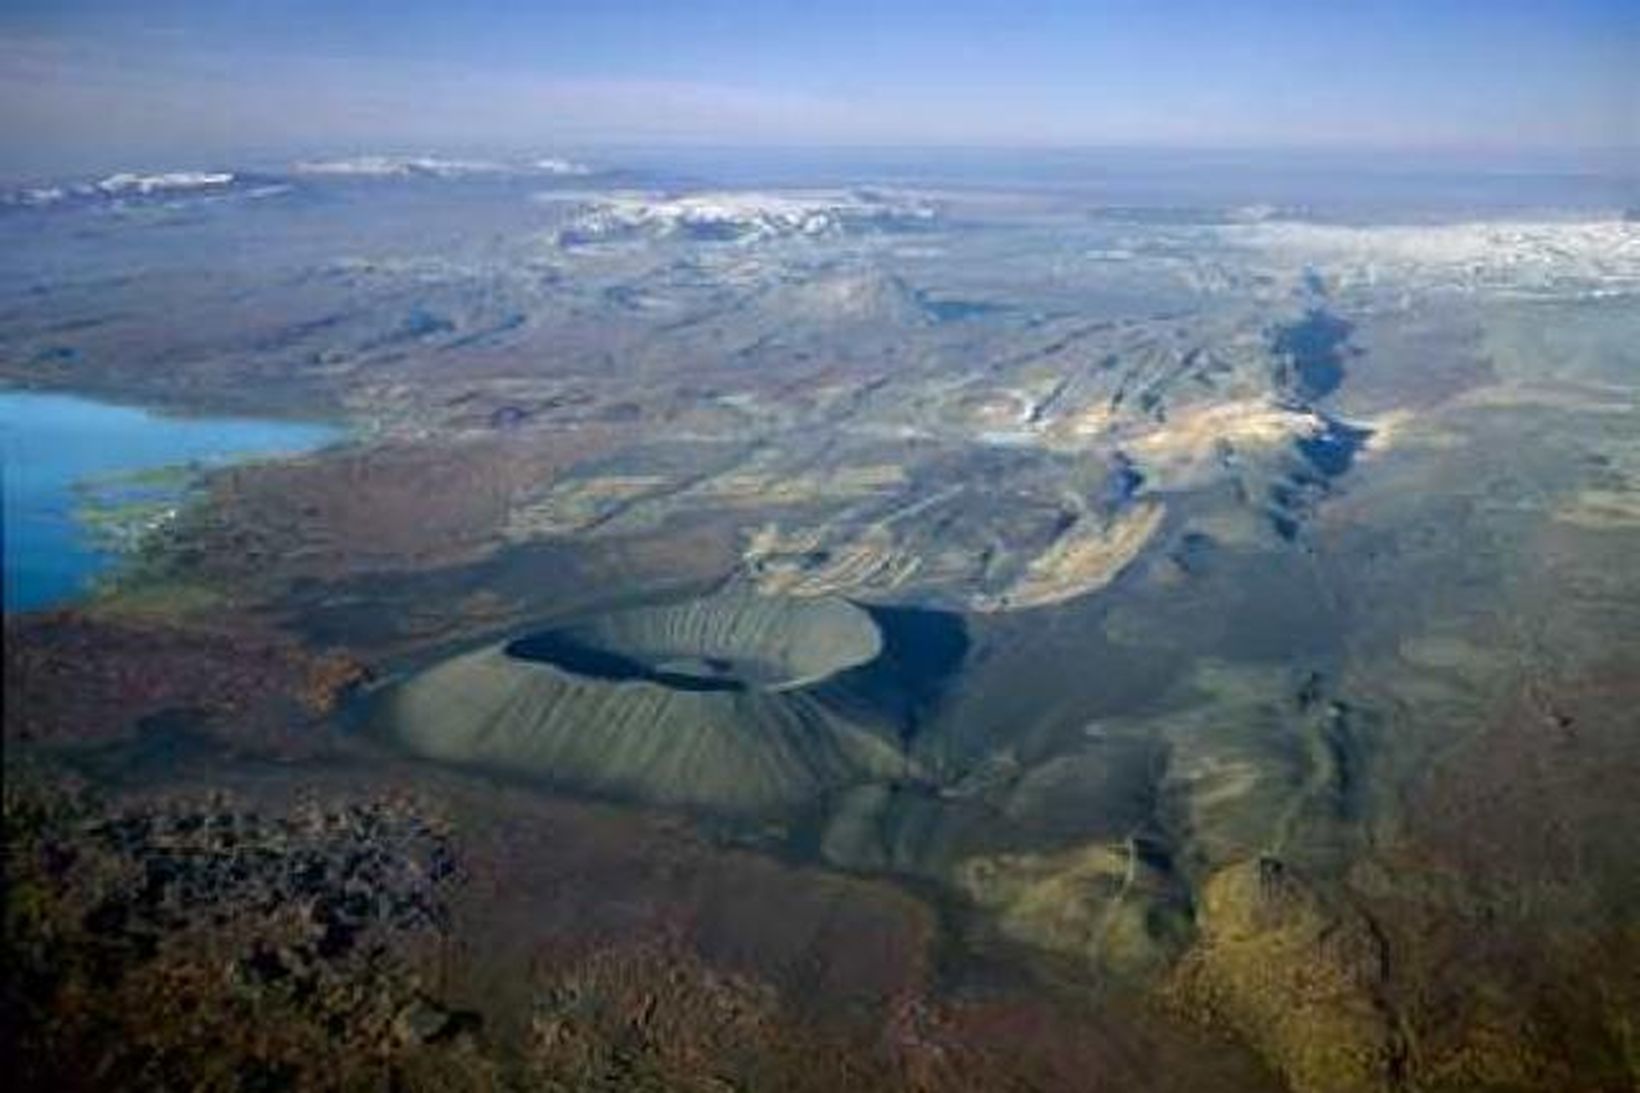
570, 654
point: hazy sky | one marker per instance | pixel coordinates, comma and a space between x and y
213, 75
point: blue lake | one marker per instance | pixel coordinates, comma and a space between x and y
54, 444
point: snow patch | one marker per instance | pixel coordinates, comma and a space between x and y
1531, 257
127, 182
552, 165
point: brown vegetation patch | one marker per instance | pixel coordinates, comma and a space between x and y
1516, 867
393, 506
71, 677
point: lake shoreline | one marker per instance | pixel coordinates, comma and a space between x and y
74, 463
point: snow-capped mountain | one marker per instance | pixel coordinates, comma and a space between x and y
395, 166
730, 216
125, 184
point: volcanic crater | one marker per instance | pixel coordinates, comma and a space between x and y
735, 702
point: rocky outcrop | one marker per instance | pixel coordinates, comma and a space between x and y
1294, 975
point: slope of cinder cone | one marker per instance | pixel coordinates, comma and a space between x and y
725, 703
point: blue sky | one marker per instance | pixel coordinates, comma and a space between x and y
185, 74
